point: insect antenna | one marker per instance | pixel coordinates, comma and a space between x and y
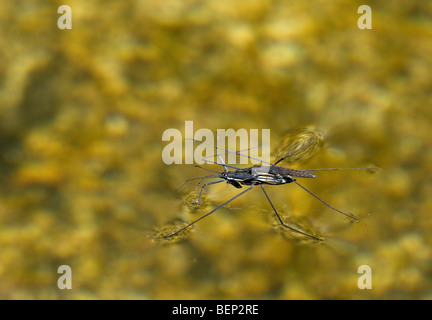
199, 178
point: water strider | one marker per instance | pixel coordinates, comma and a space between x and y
260, 175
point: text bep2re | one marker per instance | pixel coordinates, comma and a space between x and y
237, 309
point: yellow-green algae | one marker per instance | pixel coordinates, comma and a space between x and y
82, 113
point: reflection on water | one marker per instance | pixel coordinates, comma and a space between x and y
82, 113
298, 146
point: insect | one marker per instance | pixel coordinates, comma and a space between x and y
259, 175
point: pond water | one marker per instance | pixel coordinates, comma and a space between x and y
82, 113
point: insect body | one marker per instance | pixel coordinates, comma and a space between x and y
272, 175
269, 174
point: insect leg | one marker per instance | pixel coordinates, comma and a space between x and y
207, 214
204, 185
333, 208
285, 225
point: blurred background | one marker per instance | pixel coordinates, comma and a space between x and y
82, 113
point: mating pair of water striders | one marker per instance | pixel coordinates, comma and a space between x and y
259, 175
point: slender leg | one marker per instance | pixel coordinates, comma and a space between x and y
207, 214
285, 225
204, 185
345, 214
